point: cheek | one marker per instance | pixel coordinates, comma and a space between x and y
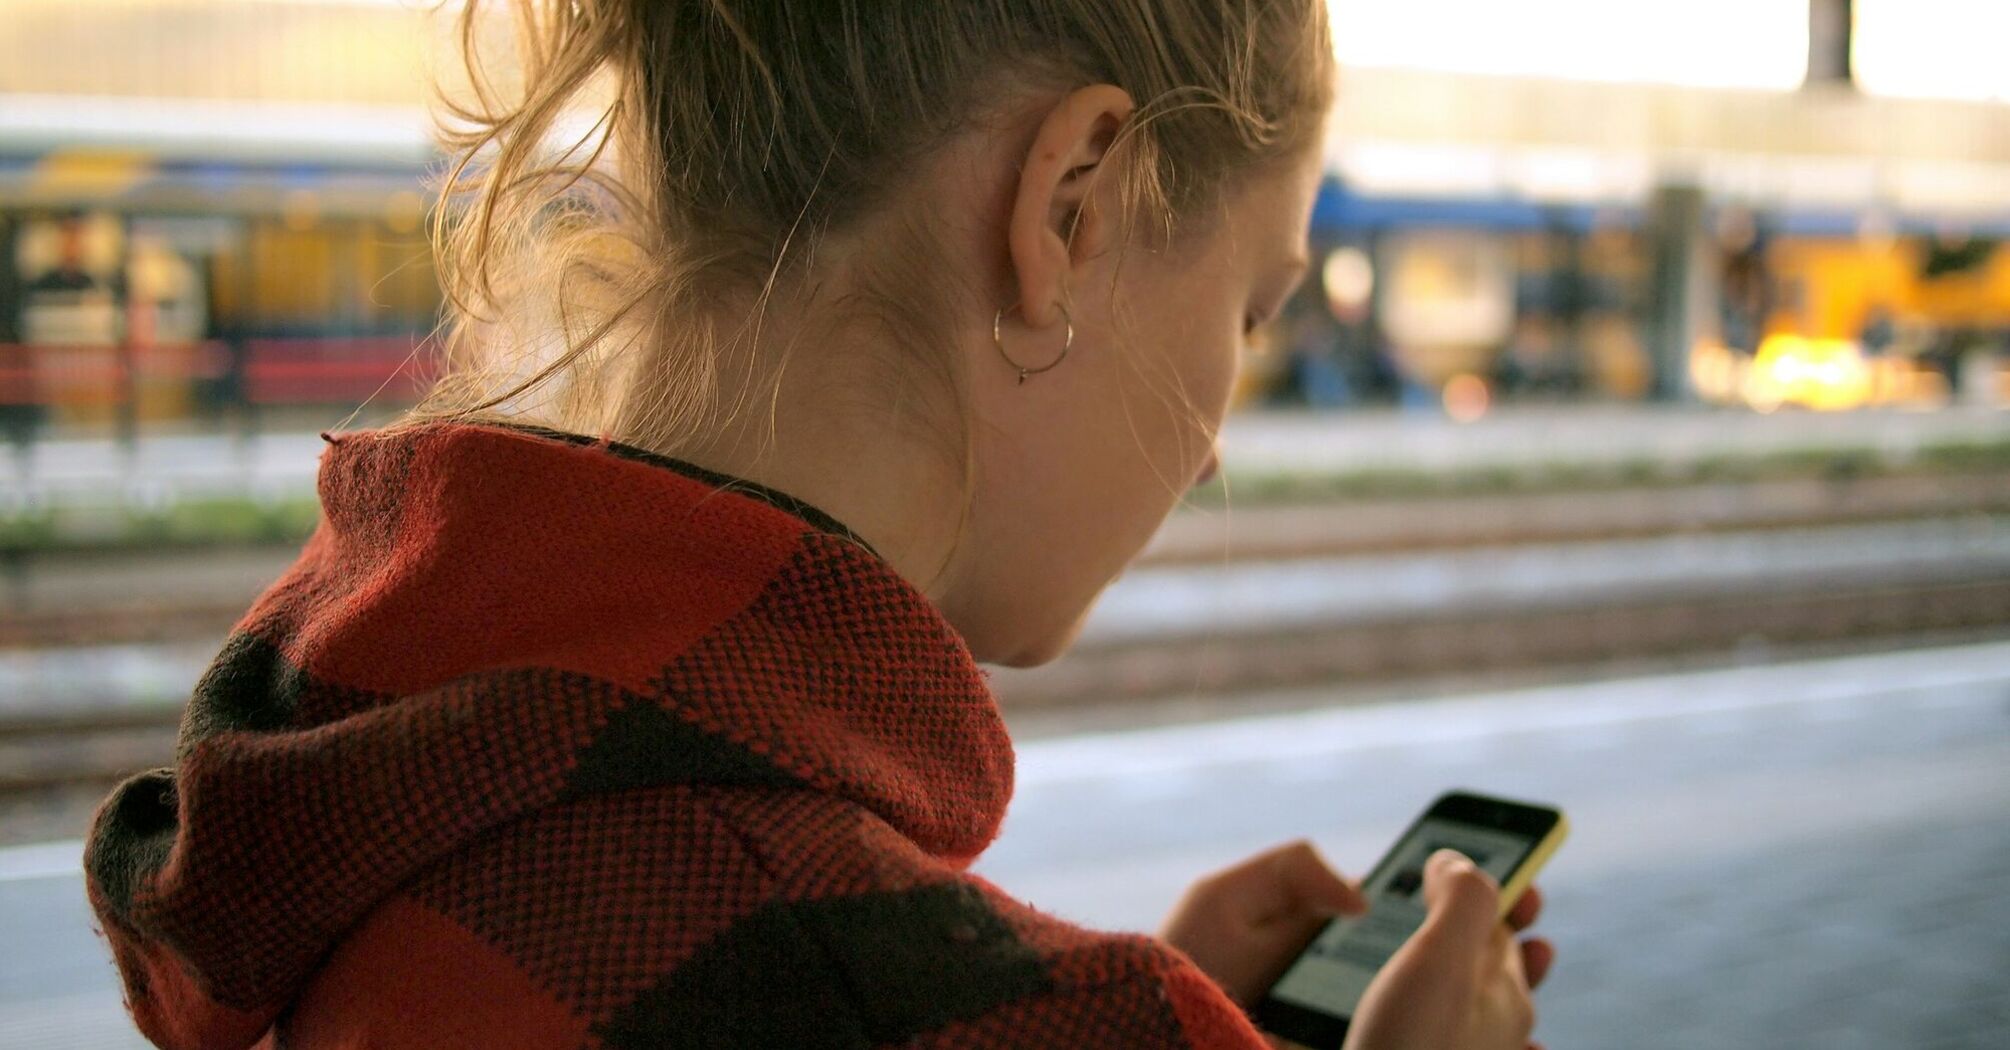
1206, 356
1186, 364
1218, 370
1070, 494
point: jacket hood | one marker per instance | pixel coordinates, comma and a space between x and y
488, 620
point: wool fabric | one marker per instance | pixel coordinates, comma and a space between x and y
549, 742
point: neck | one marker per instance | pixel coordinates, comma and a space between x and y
828, 424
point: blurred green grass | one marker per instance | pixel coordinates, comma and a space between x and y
244, 521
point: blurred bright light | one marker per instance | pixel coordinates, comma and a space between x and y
1349, 277
1467, 398
1933, 48
1827, 375
1704, 43
1716, 371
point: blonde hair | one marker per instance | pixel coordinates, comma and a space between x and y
592, 275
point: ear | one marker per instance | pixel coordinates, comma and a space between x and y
1054, 223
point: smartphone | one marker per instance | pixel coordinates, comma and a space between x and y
1315, 997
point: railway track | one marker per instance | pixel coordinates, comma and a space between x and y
1495, 641
1389, 526
179, 595
1391, 593
53, 750
68, 759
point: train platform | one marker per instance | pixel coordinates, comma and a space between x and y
1805, 856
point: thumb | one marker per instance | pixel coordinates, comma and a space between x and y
1310, 885
1462, 901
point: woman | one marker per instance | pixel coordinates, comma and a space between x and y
627, 693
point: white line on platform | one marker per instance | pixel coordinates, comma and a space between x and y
1577, 707
42, 860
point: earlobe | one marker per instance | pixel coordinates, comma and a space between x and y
1054, 221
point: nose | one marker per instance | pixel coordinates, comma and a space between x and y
1212, 467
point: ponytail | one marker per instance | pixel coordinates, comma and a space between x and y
629, 191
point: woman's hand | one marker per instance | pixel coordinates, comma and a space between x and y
1462, 980
1242, 925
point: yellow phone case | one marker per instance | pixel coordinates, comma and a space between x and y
1524, 876
1511, 891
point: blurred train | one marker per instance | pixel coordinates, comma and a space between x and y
151, 273
1462, 303
187, 281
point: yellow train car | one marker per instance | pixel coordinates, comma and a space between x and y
1883, 321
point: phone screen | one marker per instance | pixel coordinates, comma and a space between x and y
1332, 973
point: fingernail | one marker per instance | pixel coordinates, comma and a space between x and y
1452, 859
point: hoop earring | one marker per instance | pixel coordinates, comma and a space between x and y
998, 337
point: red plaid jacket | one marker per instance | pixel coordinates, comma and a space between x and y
552, 743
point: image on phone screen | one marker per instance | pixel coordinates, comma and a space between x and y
1334, 970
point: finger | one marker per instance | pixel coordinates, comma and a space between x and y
1525, 910
1462, 900
1537, 956
1508, 951
1310, 884
1290, 882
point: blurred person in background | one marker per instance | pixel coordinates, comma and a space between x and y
68, 273
65, 304
628, 691
1312, 341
